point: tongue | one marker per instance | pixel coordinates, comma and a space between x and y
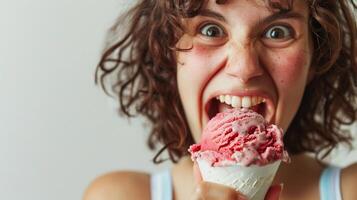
223, 107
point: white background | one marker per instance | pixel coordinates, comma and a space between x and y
57, 129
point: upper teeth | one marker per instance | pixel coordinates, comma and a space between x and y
237, 102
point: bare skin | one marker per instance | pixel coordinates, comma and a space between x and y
233, 54
300, 180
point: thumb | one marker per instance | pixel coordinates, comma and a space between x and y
274, 192
196, 173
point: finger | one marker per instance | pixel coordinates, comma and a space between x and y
197, 195
274, 192
213, 191
196, 173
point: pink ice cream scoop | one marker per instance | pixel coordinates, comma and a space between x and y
240, 136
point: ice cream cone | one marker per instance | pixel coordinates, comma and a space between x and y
253, 181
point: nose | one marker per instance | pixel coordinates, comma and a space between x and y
243, 62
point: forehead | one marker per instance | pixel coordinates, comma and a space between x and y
254, 11
263, 5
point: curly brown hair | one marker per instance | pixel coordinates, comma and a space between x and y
142, 60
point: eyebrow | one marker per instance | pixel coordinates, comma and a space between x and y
281, 15
210, 13
269, 19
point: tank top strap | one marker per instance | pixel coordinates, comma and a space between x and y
161, 186
330, 187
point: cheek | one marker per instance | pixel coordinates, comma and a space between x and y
200, 50
195, 68
290, 69
197, 65
202, 57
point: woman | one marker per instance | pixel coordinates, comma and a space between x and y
178, 56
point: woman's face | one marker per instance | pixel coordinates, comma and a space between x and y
246, 55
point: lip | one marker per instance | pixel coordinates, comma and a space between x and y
270, 102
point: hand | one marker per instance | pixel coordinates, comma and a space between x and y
274, 192
212, 191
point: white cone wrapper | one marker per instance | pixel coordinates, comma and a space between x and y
253, 181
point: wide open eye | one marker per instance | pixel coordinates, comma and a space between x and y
212, 30
279, 32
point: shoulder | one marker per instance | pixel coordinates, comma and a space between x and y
119, 185
349, 182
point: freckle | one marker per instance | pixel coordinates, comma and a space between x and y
282, 81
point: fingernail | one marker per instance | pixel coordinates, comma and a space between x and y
281, 186
198, 190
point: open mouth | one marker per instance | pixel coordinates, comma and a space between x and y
224, 102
